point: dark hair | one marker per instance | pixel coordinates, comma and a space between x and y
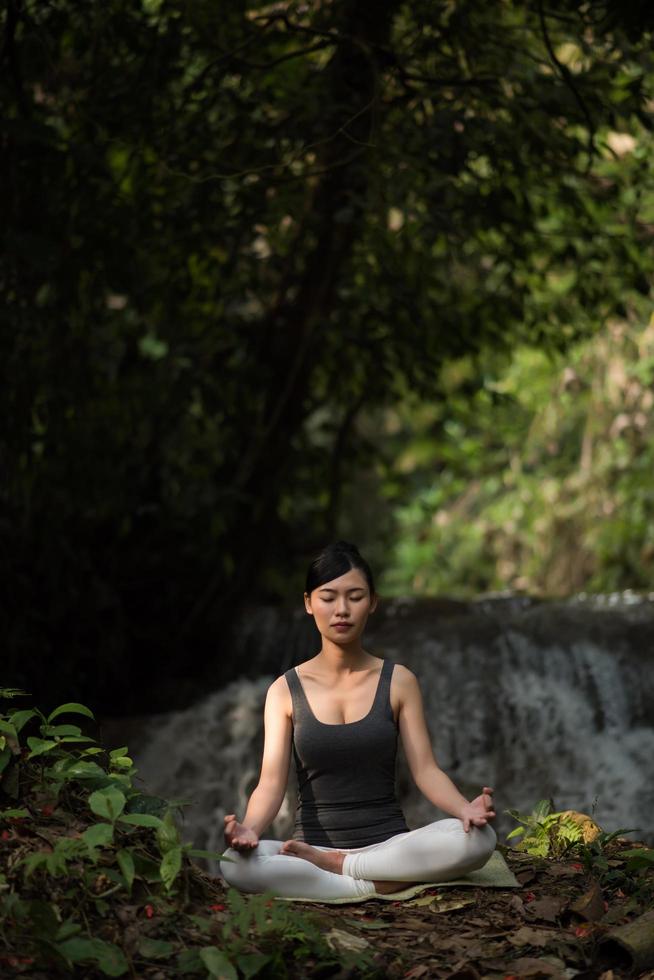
335, 560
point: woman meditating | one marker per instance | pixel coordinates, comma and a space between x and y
340, 712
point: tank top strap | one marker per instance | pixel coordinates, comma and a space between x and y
300, 704
383, 697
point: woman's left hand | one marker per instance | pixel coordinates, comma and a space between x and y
479, 811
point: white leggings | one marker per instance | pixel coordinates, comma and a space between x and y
438, 852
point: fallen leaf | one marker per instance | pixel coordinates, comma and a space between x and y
363, 924
424, 900
339, 940
561, 871
524, 877
529, 966
528, 936
547, 908
451, 904
591, 904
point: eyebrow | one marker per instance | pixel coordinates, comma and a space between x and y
353, 588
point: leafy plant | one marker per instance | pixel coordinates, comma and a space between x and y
546, 833
84, 848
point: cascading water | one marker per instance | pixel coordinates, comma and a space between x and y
551, 699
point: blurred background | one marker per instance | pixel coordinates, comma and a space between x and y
276, 274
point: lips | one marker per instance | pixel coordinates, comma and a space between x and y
342, 626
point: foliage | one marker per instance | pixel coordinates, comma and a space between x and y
545, 833
567, 834
631, 874
542, 482
231, 230
86, 856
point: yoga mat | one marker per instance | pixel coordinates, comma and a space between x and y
495, 874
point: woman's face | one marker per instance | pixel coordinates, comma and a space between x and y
341, 607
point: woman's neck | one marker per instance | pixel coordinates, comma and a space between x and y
336, 658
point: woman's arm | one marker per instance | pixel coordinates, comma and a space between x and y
429, 778
266, 798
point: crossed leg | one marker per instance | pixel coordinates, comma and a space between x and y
440, 851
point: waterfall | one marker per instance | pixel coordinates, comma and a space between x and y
537, 699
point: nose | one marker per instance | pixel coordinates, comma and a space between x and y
342, 608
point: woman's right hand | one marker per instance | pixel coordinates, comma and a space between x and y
238, 836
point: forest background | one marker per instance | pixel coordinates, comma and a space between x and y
279, 273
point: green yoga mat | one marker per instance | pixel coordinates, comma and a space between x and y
495, 874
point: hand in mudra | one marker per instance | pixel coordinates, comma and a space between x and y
238, 836
479, 811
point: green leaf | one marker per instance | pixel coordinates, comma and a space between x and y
142, 803
71, 707
39, 746
153, 949
20, 718
32, 861
140, 819
217, 963
202, 922
15, 812
109, 957
126, 865
67, 929
168, 834
170, 866
638, 858
6, 726
108, 803
83, 770
250, 964
188, 961
5, 757
98, 834
541, 810
60, 730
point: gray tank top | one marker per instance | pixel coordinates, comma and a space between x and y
346, 772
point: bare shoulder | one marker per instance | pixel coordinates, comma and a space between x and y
404, 689
404, 679
278, 696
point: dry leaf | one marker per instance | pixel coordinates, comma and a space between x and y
451, 904
528, 936
547, 908
529, 966
591, 905
339, 940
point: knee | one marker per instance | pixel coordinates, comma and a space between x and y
485, 841
229, 869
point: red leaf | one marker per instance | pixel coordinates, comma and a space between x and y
216, 908
149, 911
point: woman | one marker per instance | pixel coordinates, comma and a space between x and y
340, 713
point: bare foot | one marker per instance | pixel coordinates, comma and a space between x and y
327, 860
388, 887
